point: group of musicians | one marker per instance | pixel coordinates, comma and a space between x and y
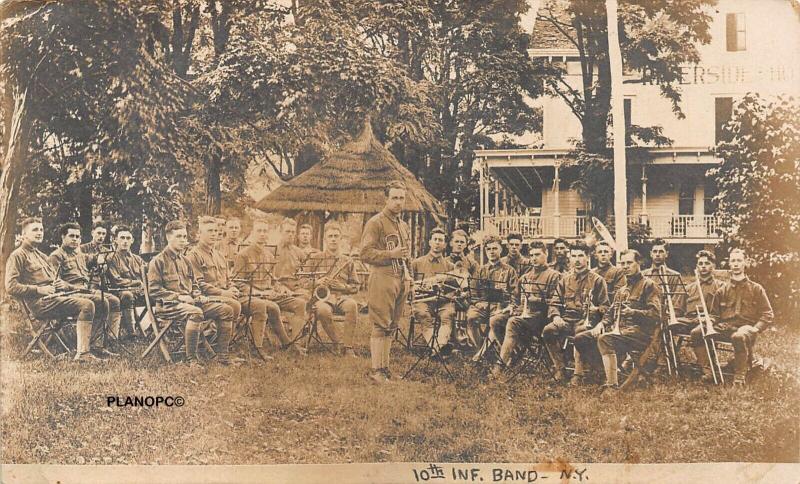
608, 312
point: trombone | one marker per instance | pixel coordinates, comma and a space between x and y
666, 333
708, 331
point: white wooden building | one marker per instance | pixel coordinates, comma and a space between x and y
754, 48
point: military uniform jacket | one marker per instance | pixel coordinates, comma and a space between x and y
710, 286
254, 264
74, 267
571, 293
744, 302
466, 261
229, 249
170, 275
26, 269
289, 258
643, 296
499, 276
90, 248
614, 277
560, 266
346, 281
210, 270
373, 241
124, 268
540, 284
519, 263
429, 265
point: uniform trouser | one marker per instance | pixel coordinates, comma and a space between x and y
477, 314
386, 296
587, 354
127, 303
295, 309
423, 313
520, 331
69, 307
324, 312
107, 306
552, 335
743, 343
224, 314
613, 347
193, 315
263, 311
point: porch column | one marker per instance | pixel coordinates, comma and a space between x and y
556, 204
481, 193
643, 215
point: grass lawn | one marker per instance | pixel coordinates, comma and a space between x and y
322, 409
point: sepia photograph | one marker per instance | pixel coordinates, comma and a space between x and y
399, 241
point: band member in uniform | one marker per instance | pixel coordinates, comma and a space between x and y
744, 311
211, 273
664, 276
561, 256
342, 283
172, 281
515, 259
304, 240
614, 276
580, 299
705, 265
459, 253
386, 247
537, 286
499, 276
639, 307
253, 265
427, 267
289, 259
30, 277
233, 243
125, 272
74, 267
98, 238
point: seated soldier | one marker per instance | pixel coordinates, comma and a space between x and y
73, 266
304, 240
495, 285
98, 239
427, 268
515, 259
342, 283
580, 301
705, 268
173, 284
252, 271
639, 307
30, 277
459, 253
290, 295
561, 256
232, 244
537, 288
125, 273
740, 310
211, 272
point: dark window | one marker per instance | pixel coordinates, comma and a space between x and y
735, 32
708, 195
686, 199
627, 105
723, 110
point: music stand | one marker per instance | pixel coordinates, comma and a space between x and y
433, 348
486, 290
248, 276
316, 268
671, 285
99, 270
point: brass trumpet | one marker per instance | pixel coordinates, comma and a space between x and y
398, 265
620, 304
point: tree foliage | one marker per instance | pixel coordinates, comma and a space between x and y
759, 187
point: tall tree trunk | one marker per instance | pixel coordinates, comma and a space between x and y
17, 129
86, 207
214, 186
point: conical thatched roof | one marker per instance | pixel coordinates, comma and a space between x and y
351, 180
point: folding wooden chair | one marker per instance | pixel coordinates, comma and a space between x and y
53, 337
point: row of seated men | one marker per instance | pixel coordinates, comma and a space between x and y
217, 280
567, 299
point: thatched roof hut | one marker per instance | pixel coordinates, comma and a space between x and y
351, 180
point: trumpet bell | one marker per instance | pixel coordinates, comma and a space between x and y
321, 293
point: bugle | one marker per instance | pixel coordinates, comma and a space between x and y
399, 266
